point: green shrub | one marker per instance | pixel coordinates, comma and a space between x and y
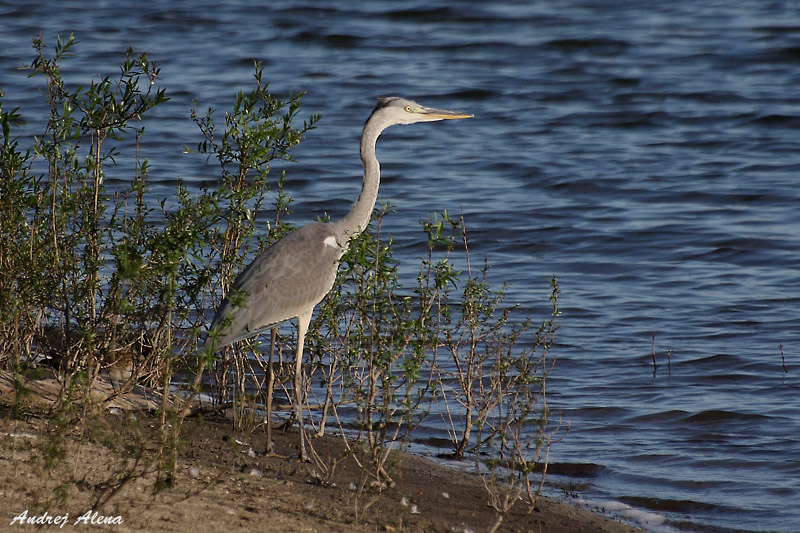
95, 277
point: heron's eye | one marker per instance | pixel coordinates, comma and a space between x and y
408, 108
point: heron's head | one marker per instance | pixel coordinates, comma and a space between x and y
395, 110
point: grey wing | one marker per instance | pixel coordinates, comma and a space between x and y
288, 278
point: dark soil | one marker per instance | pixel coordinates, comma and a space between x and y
224, 482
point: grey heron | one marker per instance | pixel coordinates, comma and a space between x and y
289, 278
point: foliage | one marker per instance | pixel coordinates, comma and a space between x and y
373, 343
515, 436
259, 130
492, 370
388, 356
62, 225
96, 276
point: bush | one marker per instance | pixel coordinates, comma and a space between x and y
388, 355
96, 277
99, 276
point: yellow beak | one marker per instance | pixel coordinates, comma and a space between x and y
443, 114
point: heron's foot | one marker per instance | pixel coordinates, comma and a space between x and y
288, 423
269, 450
274, 455
304, 457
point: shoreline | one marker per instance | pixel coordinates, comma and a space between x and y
107, 477
222, 484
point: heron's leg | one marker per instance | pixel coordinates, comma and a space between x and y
270, 387
302, 327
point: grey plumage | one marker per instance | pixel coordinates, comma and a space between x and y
289, 277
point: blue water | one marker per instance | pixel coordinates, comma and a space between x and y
646, 153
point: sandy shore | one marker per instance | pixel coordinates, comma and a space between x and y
224, 482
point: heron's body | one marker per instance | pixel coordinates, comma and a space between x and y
293, 275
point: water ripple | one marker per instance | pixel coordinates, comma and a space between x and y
645, 153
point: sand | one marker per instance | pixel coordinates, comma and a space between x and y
224, 482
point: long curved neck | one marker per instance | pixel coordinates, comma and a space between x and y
357, 219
